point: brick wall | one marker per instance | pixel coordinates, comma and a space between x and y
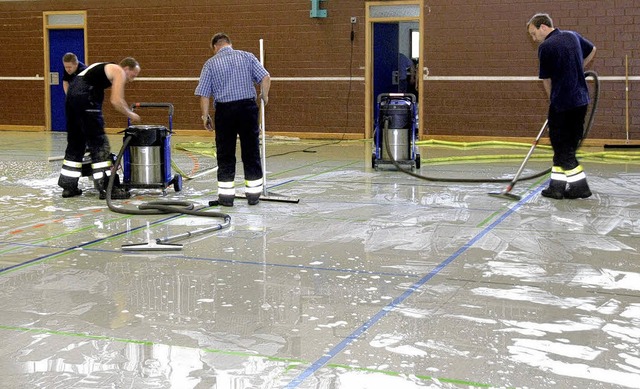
462, 38
489, 38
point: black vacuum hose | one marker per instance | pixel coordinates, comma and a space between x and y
159, 207
587, 128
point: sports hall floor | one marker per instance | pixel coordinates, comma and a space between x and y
375, 279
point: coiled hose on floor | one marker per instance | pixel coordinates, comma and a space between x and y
587, 128
160, 207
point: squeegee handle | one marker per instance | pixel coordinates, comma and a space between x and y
533, 147
195, 232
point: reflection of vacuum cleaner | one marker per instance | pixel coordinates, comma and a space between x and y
147, 159
395, 131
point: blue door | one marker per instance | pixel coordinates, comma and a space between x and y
385, 60
61, 42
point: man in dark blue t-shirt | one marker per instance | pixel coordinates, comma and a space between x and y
72, 67
563, 56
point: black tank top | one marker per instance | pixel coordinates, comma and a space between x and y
95, 76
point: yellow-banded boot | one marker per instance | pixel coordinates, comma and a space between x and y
117, 192
253, 189
101, 174
557, 185
69, 175
578, 186
226, 193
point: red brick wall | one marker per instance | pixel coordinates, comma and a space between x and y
489, 38
462, 38
21, 47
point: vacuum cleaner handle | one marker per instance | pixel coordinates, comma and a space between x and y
392, 96
155, 105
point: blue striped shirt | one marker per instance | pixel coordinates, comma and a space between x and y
230, 75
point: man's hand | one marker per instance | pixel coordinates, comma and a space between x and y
264, 98
134, 117
206, 121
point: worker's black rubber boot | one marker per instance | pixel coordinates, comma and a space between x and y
578, 190
71, 192
253, 199
555, 190
117, 192
225, 201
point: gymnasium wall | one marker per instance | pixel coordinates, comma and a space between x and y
489, 40
485, 40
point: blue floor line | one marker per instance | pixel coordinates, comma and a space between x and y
216, 260
280, 184
398, 300
3, 270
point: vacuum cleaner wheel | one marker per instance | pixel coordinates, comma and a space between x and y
177, 182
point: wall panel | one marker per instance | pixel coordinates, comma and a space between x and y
462, 38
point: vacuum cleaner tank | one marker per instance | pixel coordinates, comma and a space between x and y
398, 112
398, 141
396, 118
146, 151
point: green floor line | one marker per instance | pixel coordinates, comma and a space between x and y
422, 377
491, 217
292, 363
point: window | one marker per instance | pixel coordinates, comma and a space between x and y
415, 44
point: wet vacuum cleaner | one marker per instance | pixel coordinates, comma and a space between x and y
395, 135
147, 158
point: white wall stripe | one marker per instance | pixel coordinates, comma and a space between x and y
483, 78
36, 78
346, 79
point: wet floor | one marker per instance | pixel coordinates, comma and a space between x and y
375, 279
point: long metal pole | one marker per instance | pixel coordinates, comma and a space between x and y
626, 67
262, 130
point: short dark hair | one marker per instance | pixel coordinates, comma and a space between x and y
70, 57
539, 19
221, 36
129, 62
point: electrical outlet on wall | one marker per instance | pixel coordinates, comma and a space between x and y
354, 20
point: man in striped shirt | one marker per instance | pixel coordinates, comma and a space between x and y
230, 77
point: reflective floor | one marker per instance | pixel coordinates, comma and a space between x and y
375, 279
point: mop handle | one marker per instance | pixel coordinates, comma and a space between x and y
533, 146
262, 130
626, 89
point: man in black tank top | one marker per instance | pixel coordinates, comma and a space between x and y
85, 123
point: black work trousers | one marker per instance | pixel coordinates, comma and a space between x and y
566, 130
85, 131
232, 120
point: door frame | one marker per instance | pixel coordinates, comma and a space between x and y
47, 25
369, 21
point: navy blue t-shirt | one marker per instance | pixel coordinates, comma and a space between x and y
561, 59
69, 77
